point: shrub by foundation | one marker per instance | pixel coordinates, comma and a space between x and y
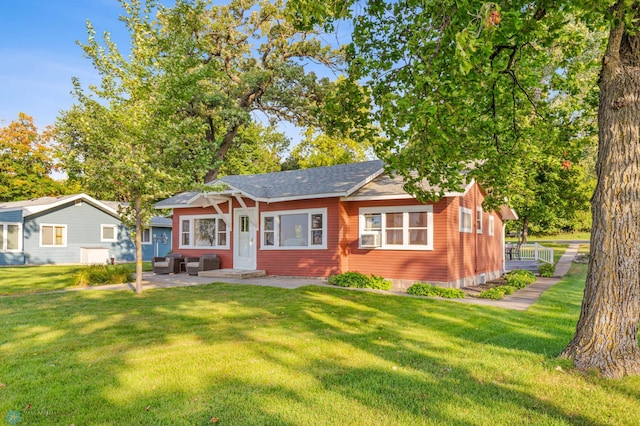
359, 280
425, 289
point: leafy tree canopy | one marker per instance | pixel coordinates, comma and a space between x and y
26, 161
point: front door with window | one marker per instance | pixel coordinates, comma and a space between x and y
244, 247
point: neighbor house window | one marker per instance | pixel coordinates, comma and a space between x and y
404, 228
491, 226
10, 237
465, 219
203, 231
108, 233
146, 236
295, 229
479, 220
53, 235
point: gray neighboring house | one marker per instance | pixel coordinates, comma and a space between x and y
73, 229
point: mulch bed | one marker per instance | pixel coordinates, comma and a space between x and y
475, 290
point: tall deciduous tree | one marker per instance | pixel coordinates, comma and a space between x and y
26, 161
467, 85
231, 61
118, 140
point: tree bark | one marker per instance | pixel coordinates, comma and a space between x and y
606, 336
138, 207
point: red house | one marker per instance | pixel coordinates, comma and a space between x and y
328, 220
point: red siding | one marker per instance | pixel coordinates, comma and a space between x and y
455, 255
400, 264
305, 262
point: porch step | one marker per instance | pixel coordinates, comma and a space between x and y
529, 265
232, 273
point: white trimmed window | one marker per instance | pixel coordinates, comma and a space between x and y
146, 236
294, 229
479, 220
465, 219
53, 235
10, 237
491, 225
108, 233
396, 228
203, 232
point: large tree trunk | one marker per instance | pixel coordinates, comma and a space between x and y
606, 337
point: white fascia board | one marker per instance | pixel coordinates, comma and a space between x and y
303, 197
37, 209
463, 193
378, 197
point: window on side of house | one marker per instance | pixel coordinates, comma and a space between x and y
203, 232
403, 228
479, 220
10, 237
108, 233
465, 220
53, 235
491, 225
146, 236
294, 229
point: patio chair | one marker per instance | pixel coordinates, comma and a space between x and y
167, 265
205, 262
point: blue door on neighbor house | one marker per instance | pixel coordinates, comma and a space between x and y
156, 242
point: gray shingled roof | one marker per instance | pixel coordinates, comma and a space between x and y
331, 181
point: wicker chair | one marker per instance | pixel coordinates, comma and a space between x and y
167, 265
206, 262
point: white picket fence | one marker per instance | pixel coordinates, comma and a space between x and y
533, 251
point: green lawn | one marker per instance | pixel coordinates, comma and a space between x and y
249, 355
36, 279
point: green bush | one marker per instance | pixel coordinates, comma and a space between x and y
546, 270
495, 293
103, 274
359, 280
520, 278
508, 289
425, 289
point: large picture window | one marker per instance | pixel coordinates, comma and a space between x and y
294, 229
53, 235
203, 231
404, 228
10, 237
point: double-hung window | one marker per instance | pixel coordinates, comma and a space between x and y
491, 225
203, 232
10, 237
402, 228
53, 235
465, 220
146, 236
479, 220
294, 229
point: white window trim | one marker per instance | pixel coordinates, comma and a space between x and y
491, 225
479, 220
5, 234
276, 229
150, 241
466, 211
64, 235
192, 228
115, 233
383, 238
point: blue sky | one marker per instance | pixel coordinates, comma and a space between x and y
38, 53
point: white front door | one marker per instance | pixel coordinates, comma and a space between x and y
244, 240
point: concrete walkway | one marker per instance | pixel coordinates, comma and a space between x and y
520, 300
